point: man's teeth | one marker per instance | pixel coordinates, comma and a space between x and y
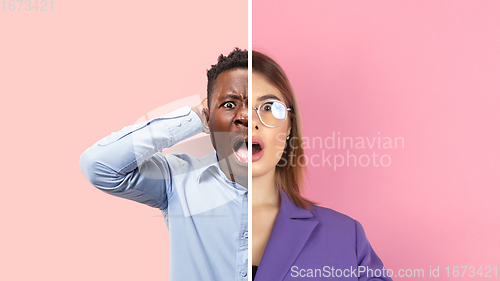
242, 152
241, 149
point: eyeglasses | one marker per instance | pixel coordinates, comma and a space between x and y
272, 113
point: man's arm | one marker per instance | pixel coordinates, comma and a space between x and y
124, 163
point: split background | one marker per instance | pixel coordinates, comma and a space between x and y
71, 77
427, 71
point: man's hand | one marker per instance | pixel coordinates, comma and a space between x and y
202, 111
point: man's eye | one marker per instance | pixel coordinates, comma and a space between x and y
228, 104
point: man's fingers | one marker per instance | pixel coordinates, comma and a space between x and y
205, 103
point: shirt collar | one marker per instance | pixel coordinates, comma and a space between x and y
209, 162
211, 165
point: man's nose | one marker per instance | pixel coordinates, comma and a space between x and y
242, 117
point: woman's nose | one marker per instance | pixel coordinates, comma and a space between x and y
255, 119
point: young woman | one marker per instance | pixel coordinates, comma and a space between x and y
293, 237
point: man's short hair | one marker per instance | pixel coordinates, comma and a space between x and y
236, 59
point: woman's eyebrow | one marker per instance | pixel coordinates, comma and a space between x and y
268, 97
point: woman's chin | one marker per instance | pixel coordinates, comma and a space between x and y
259, 168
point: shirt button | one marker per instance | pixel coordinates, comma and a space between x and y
243, 274
189, 119
178, 124
245, 234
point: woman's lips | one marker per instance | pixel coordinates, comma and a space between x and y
258, 152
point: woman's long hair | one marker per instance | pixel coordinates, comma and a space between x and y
289, 172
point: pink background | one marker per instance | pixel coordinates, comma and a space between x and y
427, 71
70, 77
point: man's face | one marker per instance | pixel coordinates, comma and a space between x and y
228, 122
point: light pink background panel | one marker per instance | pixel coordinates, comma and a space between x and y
425, 71
70, 77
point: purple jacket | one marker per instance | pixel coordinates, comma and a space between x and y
317, 244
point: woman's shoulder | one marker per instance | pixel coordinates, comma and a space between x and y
331, 218
325, 212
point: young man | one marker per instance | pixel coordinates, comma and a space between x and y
203, 200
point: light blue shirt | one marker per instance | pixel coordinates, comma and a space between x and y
206, 213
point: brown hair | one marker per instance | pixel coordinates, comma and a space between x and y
289, 173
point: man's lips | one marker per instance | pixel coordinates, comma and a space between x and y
240, 149
239, 140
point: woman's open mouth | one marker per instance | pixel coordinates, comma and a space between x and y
240, 148
257, 148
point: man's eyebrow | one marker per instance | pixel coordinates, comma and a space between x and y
268, 97
231, 96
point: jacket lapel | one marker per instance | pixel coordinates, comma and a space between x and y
291, 230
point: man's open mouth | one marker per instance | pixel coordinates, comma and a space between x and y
240, 148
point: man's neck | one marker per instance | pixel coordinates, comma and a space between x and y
243, 181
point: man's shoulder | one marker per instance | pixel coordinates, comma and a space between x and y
186, 160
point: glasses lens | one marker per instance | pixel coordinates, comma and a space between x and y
273, 113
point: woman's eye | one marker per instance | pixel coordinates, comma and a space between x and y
228, 104
266, 107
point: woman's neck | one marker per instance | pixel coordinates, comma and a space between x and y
264, 190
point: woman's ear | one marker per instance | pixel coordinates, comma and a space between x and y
289, 131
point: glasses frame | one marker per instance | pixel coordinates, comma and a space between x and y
263, 123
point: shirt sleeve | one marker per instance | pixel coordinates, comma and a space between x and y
124, 163
370, 266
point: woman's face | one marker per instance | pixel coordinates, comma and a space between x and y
271, 140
